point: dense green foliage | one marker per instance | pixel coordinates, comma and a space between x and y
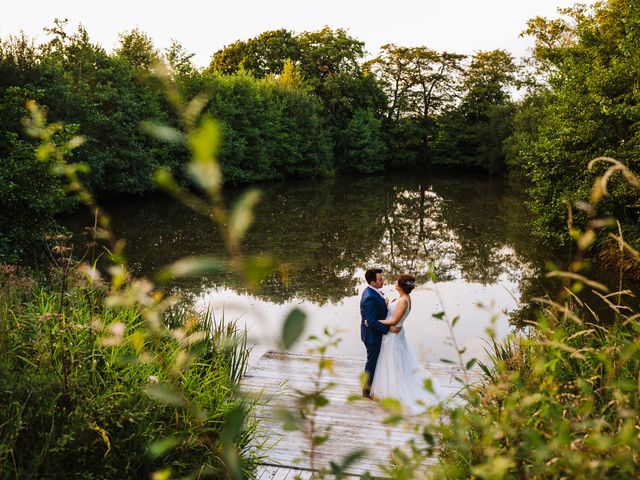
272, 128
587, 106
282, 137
308, 104
77, 385
561, 403
473, 132
330, 62
30, 197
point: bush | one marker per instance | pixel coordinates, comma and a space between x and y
30, 198
77, 384
563, 403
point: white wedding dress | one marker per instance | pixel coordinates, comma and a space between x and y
398, 373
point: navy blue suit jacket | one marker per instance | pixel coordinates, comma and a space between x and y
373, 308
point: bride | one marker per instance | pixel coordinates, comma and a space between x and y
398, 373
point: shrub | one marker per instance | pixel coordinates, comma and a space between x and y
86, 388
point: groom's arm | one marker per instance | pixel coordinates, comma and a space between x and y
397, 314
370, 315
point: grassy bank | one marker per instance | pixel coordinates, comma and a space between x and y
94, 389
562, 403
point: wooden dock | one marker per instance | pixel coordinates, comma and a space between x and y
353, 424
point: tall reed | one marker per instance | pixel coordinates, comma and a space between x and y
76, 386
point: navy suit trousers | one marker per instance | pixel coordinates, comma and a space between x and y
373, 351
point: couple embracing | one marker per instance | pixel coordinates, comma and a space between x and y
392, 370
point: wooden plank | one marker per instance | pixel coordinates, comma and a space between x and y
260, 471
282, 473
273, 380
269, 473
280, 359
302, 474
287, 376
254, 387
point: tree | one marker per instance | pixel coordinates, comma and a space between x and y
262, 55
587, 105
365, 152
472, 134
179, 60
31, 194
327, 61
228, 60
419, 83
137, 48
291, 76
328, 52
391, 67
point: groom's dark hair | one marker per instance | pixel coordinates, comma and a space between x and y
371, 274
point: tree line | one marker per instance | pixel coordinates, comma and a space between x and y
312, 104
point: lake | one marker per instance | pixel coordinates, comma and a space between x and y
467, 232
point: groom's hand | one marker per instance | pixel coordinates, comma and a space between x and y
394, 329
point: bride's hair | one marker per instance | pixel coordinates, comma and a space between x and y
406, 282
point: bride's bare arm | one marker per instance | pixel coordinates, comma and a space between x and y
397, 315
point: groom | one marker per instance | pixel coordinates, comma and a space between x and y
373, 308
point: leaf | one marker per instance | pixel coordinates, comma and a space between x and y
290, 421
137, 340
206, 175
204, 143
438, 315
103, 434
446, 360
455, 320
339, 469
428, 385
364, 378
293, 327
529, 400
320, 439
393, 419
161, 474
428, 438
470, 364
321, 401
163, 178
326, 364
257, 268
586, 239
391, 404
161, 131
165, 393
233, 422
191, 267
351, 458
242, 215
161, 447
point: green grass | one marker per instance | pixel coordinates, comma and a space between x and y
563, 402
79, 400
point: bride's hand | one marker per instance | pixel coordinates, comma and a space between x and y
394, 329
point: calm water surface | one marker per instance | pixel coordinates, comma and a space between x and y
471, 231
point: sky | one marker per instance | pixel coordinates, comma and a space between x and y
461, 26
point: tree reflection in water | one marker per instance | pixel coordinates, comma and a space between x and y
323, 233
